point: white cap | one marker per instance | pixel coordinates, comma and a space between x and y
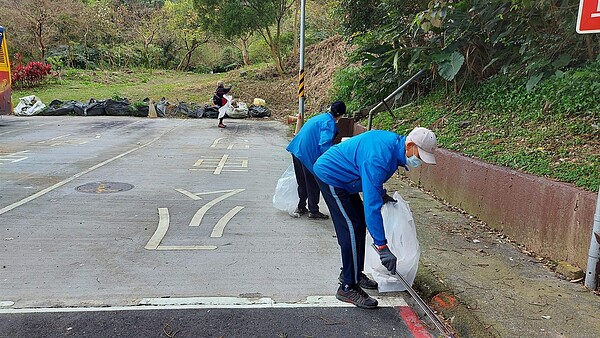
426, 142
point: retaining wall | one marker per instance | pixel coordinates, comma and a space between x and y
553, 219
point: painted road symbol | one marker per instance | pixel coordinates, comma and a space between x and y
164, 221
13, 157
243, 144
224, 163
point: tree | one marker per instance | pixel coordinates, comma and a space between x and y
184, 22
236, 18
38, 20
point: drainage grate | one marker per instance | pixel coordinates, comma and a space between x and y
104, 187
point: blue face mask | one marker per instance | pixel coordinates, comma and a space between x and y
413, 161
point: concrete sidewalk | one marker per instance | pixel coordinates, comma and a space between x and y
488, 286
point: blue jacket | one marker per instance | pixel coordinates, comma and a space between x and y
364, 163
313, 139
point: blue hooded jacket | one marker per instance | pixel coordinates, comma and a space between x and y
364, 163
313, 139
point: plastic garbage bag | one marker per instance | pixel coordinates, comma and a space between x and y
60, 108
161, 107
401, 234
118, 108
286, 193
259, 111
239, 112
94, 108
211, 112
223, 110
259, 102
29, 105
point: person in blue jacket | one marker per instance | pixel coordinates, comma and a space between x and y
313, 139
364, 163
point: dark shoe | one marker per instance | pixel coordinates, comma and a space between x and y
317, 215
221, 125
301, 211
364, 282
357, 297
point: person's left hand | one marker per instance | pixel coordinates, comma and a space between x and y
387, 198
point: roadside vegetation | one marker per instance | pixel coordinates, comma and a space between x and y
508, 82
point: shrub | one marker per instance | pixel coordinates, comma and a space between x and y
30, 75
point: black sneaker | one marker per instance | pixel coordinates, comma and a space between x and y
299, 212
357, 297
317, 215
364, 282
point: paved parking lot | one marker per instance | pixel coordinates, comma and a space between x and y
117, 212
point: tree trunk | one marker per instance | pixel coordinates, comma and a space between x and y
590, 47
244, 49
273, 49
39, 34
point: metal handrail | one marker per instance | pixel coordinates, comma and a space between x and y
384, 102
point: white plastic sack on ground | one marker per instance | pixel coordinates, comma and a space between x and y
238, 113
401, 234
29, 105
223, 110
286, 193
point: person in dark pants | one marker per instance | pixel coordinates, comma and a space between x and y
364, 163
313, 139
220, 100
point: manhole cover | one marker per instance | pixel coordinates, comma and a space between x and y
104, 187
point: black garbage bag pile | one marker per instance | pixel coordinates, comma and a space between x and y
58, 108
122, 107
259, 111
94, 107
194, 111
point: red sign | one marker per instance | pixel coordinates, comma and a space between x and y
588, 20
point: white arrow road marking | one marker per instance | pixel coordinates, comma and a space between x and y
197, 219
220, 226
161, 231
189, 194
186, 247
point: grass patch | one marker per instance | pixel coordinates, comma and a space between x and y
552, 131
135, 85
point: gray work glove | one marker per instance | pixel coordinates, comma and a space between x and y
388, 259
388, 198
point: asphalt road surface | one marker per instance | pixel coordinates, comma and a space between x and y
134, 227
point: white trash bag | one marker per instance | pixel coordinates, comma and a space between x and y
286, 193
29, 105
402, 240
223, 110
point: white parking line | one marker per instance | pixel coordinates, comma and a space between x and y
214, 303
54, 138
